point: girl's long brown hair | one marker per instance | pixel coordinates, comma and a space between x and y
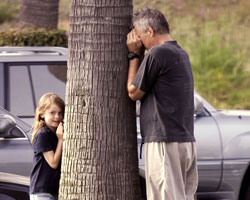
44, 103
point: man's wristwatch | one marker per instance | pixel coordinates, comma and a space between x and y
132, 55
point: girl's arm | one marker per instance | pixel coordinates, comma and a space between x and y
51, 157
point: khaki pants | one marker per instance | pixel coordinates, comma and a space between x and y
171, 170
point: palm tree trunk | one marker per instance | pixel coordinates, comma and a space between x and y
39, 14
100, 151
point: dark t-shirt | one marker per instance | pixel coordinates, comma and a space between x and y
44, 178
167, 107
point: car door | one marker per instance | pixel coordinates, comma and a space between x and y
209, 150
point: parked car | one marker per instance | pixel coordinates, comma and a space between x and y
223, 136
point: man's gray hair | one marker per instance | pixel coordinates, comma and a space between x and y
152, 17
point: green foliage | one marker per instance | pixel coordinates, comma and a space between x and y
7, 11
219, 70
34, 38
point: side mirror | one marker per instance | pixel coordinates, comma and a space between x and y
198, 105
7, 123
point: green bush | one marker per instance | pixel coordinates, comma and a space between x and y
34, 38
7, 11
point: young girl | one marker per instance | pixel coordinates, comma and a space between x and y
47, 139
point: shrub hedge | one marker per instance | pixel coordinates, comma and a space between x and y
34, 38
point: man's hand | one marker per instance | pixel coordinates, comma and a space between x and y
134, 43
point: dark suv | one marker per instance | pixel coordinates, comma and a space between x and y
26, 73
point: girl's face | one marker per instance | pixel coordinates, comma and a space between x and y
53, 116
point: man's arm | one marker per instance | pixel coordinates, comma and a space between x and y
134, 93
134, 45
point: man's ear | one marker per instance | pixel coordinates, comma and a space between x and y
150, 31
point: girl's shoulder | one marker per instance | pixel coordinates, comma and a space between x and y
42, 140
44, 129
42, 132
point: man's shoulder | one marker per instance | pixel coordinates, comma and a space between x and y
164, 48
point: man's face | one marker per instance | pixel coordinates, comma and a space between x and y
145, 38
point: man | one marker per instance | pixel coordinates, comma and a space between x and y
164, 84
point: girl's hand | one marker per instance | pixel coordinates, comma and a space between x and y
59, 131
51, 157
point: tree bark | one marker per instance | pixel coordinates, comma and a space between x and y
39, 14
100, 142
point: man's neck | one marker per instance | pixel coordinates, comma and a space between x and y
162, 38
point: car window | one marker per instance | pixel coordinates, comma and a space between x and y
48, 78
28, 83
20, 93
